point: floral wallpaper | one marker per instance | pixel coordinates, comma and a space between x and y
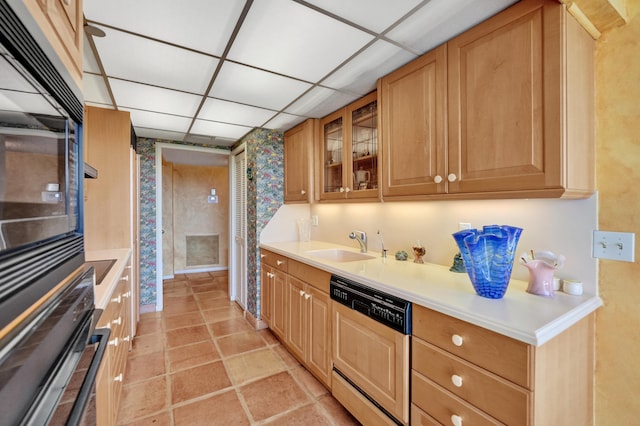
265, 194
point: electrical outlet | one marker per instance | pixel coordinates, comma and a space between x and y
463, 225
314, 220
614, 245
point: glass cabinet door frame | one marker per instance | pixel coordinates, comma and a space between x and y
327, 164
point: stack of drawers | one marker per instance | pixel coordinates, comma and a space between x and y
116, 317
465, 374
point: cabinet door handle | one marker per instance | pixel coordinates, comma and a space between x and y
125, 278
307, 296
347, 189
118, 378
126, 338
456, 420
437, 179
117, 299
341, 189
456, 380
114, 342
452, 177
303, 192
262, 256
457, 340
117, 321
279, 262
301, 293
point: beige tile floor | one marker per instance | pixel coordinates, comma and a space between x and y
199, 362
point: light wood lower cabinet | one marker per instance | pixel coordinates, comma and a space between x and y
462, 372
297, 308
116, 317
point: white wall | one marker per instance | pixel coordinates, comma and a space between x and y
562, 226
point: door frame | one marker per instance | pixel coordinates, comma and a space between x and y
234, 294
159, 148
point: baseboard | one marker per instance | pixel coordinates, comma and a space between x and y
258, 324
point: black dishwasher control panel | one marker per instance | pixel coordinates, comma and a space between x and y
382, 307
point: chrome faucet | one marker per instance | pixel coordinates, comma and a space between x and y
361, 238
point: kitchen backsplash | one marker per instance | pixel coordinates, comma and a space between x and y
562, 226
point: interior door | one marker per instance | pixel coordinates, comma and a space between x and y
239, 225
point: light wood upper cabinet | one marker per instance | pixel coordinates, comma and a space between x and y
413, 127
61, 21
519, 111
298, 162
347, 154
107, 215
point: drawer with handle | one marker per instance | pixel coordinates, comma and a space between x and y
275, 260
499, 354
492, 394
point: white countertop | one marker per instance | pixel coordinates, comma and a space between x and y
523, 316
103, 291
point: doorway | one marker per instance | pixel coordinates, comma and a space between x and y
194, 244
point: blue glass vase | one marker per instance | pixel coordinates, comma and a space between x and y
488, 257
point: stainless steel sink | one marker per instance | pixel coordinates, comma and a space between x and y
339, 255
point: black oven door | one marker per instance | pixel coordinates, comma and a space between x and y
77, 404
50, 357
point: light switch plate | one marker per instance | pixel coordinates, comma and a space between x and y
314, 220
614, 245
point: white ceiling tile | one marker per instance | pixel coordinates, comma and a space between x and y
376, 15
441, 20
89, 63
284, 121
204, 127
94, 89
320, 101
25, 102
231, 112
12, 79
361, 73
155, 120
204, 25
291, 39
144, 132
151, 98
254, 87
135, 58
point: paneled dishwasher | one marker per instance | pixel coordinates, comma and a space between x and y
371, 334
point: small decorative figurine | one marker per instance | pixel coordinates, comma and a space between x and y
458, 264
418, 252
401, 255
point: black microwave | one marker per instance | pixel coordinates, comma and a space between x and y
41, 170
39, 157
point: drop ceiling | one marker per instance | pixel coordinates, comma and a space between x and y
210, 71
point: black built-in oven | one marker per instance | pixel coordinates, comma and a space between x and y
49, 349
50, 357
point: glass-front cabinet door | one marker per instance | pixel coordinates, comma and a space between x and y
362, 118
332, 185
349, 152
